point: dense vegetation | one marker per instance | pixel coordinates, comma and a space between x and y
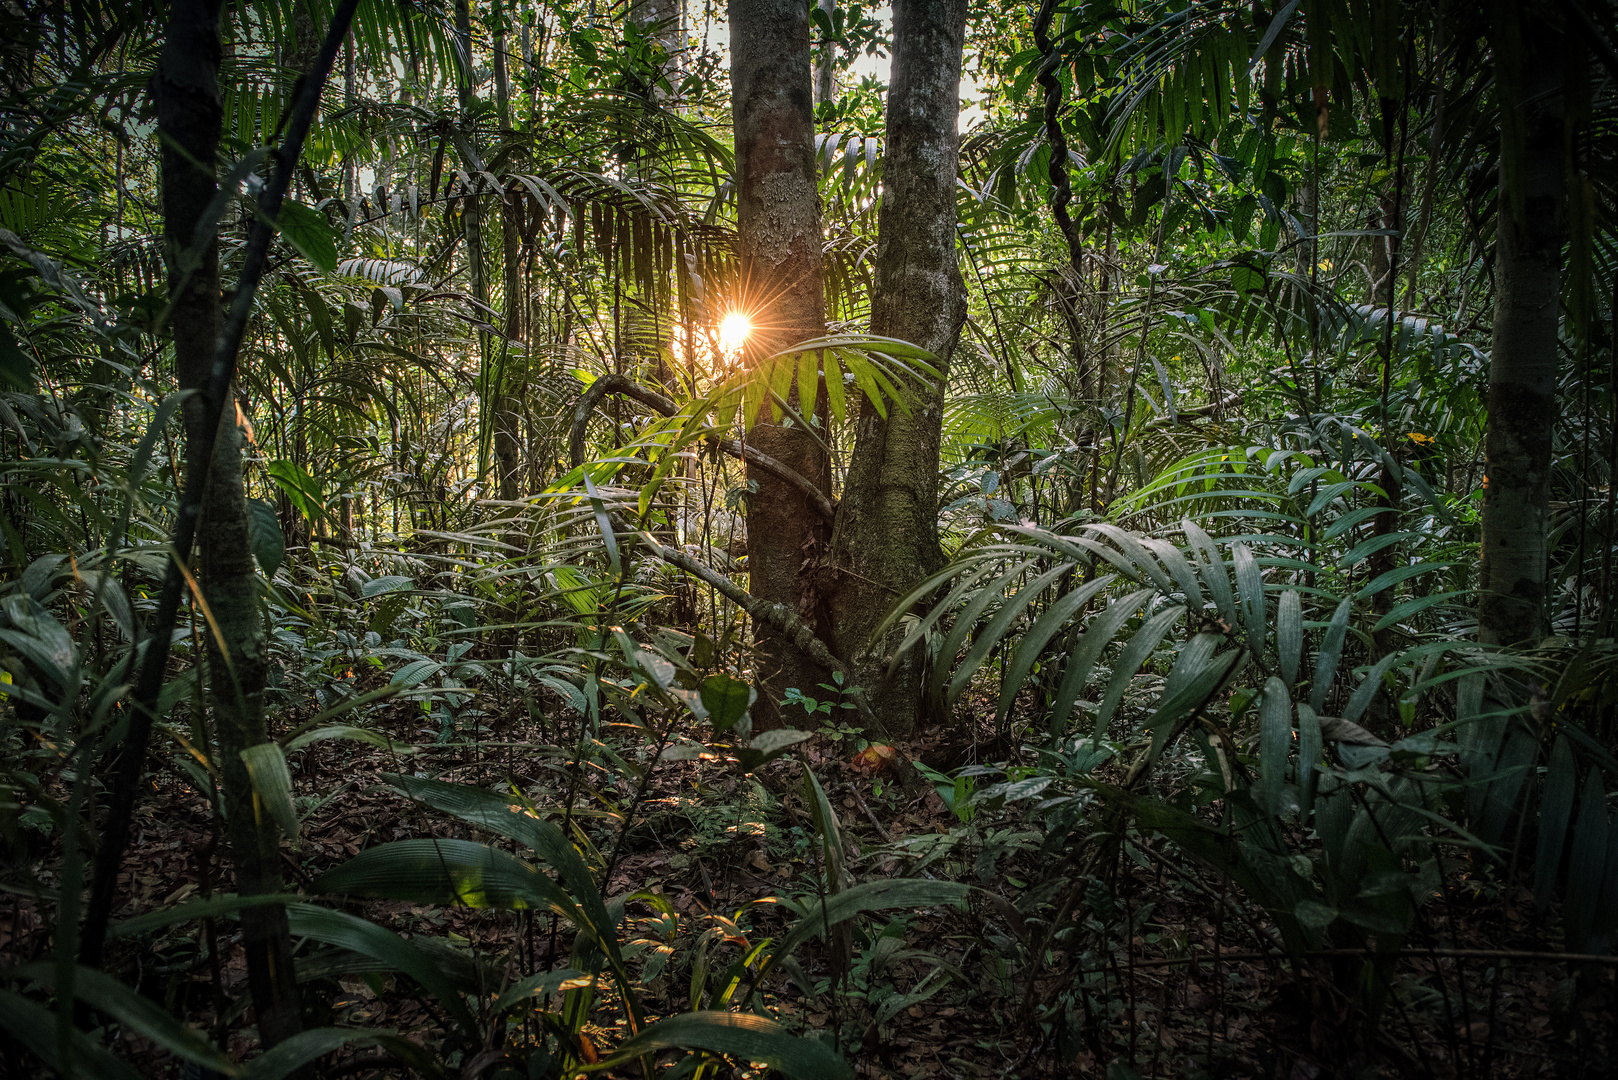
545, 537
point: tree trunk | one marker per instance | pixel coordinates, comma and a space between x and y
778, 219
189, 118
1522, 367
662, 21
826, 62
887, 524
505, 434
508, 395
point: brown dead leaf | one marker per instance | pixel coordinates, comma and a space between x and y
874, 758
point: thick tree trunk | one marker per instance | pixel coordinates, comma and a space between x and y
778, 218
1522, 367
887, 524
189, 118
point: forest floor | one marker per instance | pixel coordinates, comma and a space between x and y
1196, 991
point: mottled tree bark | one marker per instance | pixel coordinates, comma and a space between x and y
779, 241
1522, 367
886, 536
189, 118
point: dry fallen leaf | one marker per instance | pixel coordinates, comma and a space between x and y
874, 758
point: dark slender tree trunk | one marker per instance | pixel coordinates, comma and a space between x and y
508, 396
1522, 367
778, 222
887, 523
189, 118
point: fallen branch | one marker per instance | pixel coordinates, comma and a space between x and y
617, 384
786, 621
1414, 954
1197, 412
794, 629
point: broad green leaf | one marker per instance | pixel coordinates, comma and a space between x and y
142, 1014
1034, 640
828, 829
604, 522
1274, 742
966, 619
1332, 492
809, 383
836, 398
352, 734
385, 584
1344, 522
1194, 690
219, 904
1365, 549
34, 1027
1331, 651
1309, 747
272, 786
307, 229
415, 673
1180, 569
1137, 554
539, 986
291, 1054
1289, 634
38, 635
743, 1036
1414, 606
998, 627
1214, 574
868, 896
511, 817
264, 536
769, 747
1100, 633
342, 708
1130, 659
302, 489
1314, 914
727, 700
1367, 690
1193, 657
1397, 575
361, 936
455, 872
1251, 583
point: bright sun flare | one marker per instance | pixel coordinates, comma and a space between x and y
733, 331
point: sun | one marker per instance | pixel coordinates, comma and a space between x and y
733, 331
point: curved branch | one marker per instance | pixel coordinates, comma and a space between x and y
617, 384
1051, 82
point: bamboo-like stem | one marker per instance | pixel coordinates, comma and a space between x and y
216, 398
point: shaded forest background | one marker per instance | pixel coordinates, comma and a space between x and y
943, 539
